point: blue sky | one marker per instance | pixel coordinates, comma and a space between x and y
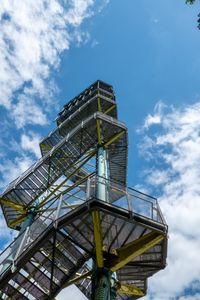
149, 51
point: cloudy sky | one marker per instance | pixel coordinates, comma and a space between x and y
150, 52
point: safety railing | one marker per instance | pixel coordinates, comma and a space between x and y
72, 196
128, 198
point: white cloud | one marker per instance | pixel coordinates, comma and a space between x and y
27, 111
157, 177
194, 297
6, 233
30, 142
156, 118
33, 35
72, 292
173, 148
11, 169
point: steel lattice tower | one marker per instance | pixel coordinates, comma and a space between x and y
78, 221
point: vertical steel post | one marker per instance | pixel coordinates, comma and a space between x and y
27, 222
103, 285
88, 188
103, 280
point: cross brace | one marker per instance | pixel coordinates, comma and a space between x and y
135, 248
12, 204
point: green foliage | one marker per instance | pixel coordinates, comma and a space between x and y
189, 1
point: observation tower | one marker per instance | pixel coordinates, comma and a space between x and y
78, 221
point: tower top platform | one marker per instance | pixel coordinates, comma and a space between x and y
99, 87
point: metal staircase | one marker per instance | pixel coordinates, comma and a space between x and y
78, 220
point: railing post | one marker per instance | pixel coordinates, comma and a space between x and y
88, 188
58, 211
19, 242
21, 245
130, 208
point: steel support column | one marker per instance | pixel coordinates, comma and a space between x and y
103, 285
103, 280
102, 172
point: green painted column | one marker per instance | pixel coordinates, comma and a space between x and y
103, 280
103, 285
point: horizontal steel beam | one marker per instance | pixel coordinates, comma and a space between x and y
78, 278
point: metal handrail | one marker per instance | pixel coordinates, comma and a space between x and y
127, 200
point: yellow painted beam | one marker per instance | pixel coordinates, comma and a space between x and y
135, 248
91, 154
114, 137
18, 220
46, 147
44, 201
130, 289
78, 278
98, 238
12, 204
99, 104
66, 190
22, 209
117, 190
109, 109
